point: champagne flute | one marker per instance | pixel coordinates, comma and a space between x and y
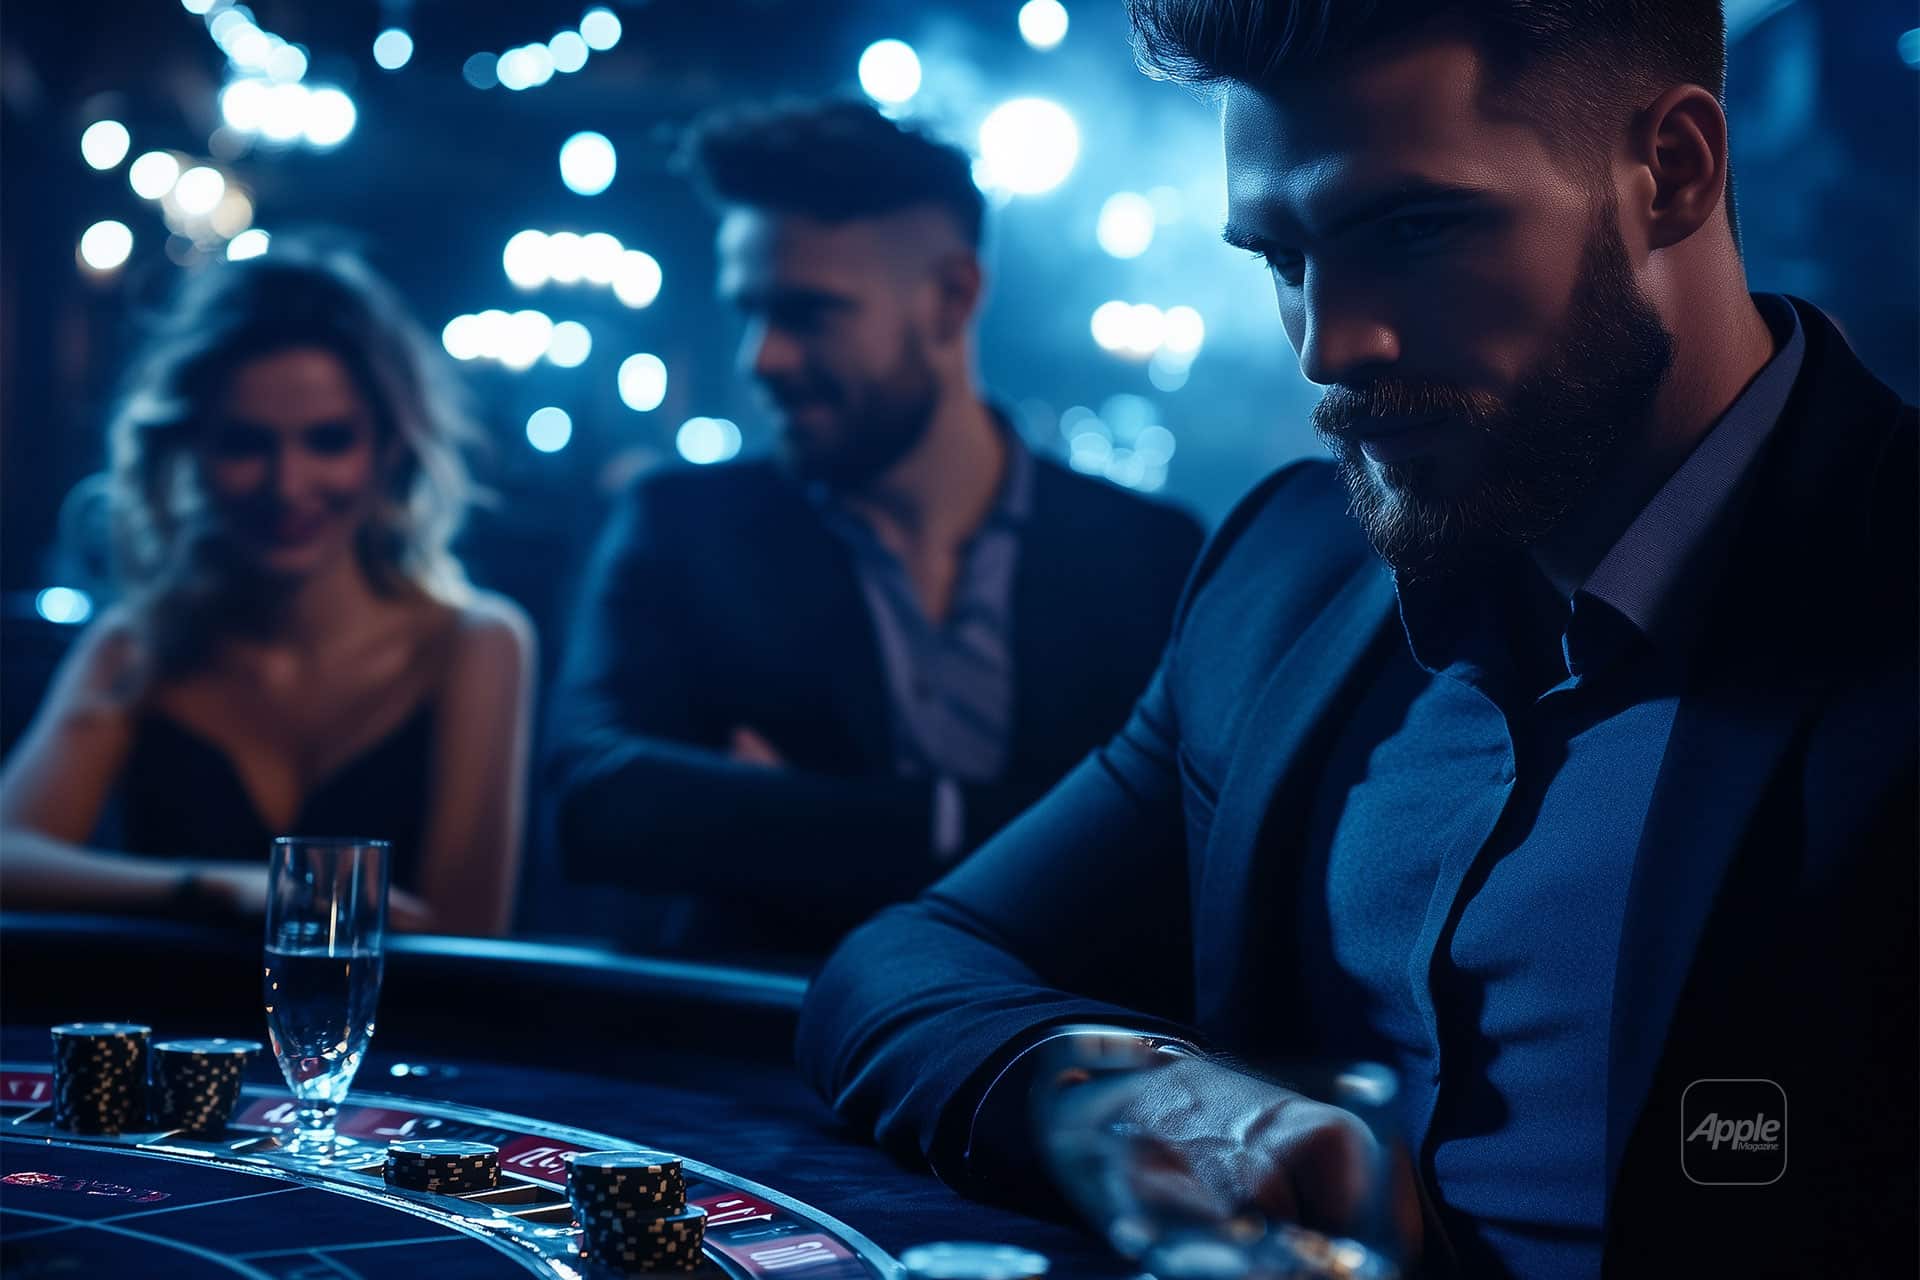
326, 928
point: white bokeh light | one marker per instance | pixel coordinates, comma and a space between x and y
1043, 23
1126, 224
492, 328
600, 28
63, 605
527, 335
600, 257
525, 258
704, 441
587, 163
463, 338
392, 49
566, 258
568, 51
1111, 322
152, 175
1186, 330
243, 104
1146, 329
890, 71
199, 190
105, 144
104, 246
246, 44
643, 382
549, 429
287, 62
330, 117
1028, 146
570, 345
248, 244
637, 281
283, 113
233, 214
1154, 445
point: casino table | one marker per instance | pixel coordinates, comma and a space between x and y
539, 1049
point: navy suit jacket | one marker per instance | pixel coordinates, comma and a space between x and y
1771, 921
720, 599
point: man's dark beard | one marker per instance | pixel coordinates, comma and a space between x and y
1541, 452
883, 422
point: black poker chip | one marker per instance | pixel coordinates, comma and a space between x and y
194, 1085
99, 1073
625, 1182
652, 1243
443, 1166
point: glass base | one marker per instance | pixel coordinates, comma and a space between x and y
312, 1147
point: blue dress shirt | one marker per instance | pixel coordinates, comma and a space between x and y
950, 683
1471, 844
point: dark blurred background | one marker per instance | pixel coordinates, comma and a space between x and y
141, 137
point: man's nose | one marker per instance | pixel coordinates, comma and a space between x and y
1346, 334
769, 352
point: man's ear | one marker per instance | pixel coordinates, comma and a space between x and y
958, 283
1682, 141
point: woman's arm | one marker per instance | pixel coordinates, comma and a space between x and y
476, 815
57, 781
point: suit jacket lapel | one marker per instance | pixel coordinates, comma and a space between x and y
1765, 655
1237, 959
1727, 742
811, 586
1047, 576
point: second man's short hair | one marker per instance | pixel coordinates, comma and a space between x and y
835, 161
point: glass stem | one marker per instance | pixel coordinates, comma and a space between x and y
315, 1124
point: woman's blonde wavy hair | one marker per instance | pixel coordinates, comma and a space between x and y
178, 575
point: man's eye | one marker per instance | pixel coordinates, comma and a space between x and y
1290, 267
1418, 228
331, 439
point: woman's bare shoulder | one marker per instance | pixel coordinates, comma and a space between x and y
486, 629
109, 670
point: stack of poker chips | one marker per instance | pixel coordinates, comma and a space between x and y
443, 1167
99, 1070
194, 1085
632, 1210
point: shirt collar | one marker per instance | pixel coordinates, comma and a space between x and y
1011, 509
1644, 577
1649, 585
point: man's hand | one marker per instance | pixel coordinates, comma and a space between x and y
1194, 1145
746, 746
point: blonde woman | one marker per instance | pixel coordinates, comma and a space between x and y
296, 651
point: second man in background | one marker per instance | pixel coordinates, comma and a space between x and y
799, 688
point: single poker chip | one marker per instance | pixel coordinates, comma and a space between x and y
218, 1048
632, 1200
965, 1260
611, 1165
101, 1031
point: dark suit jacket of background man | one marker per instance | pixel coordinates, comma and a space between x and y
719, 599
1771, 920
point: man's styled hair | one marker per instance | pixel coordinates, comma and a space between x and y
834, 160
1577, 69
